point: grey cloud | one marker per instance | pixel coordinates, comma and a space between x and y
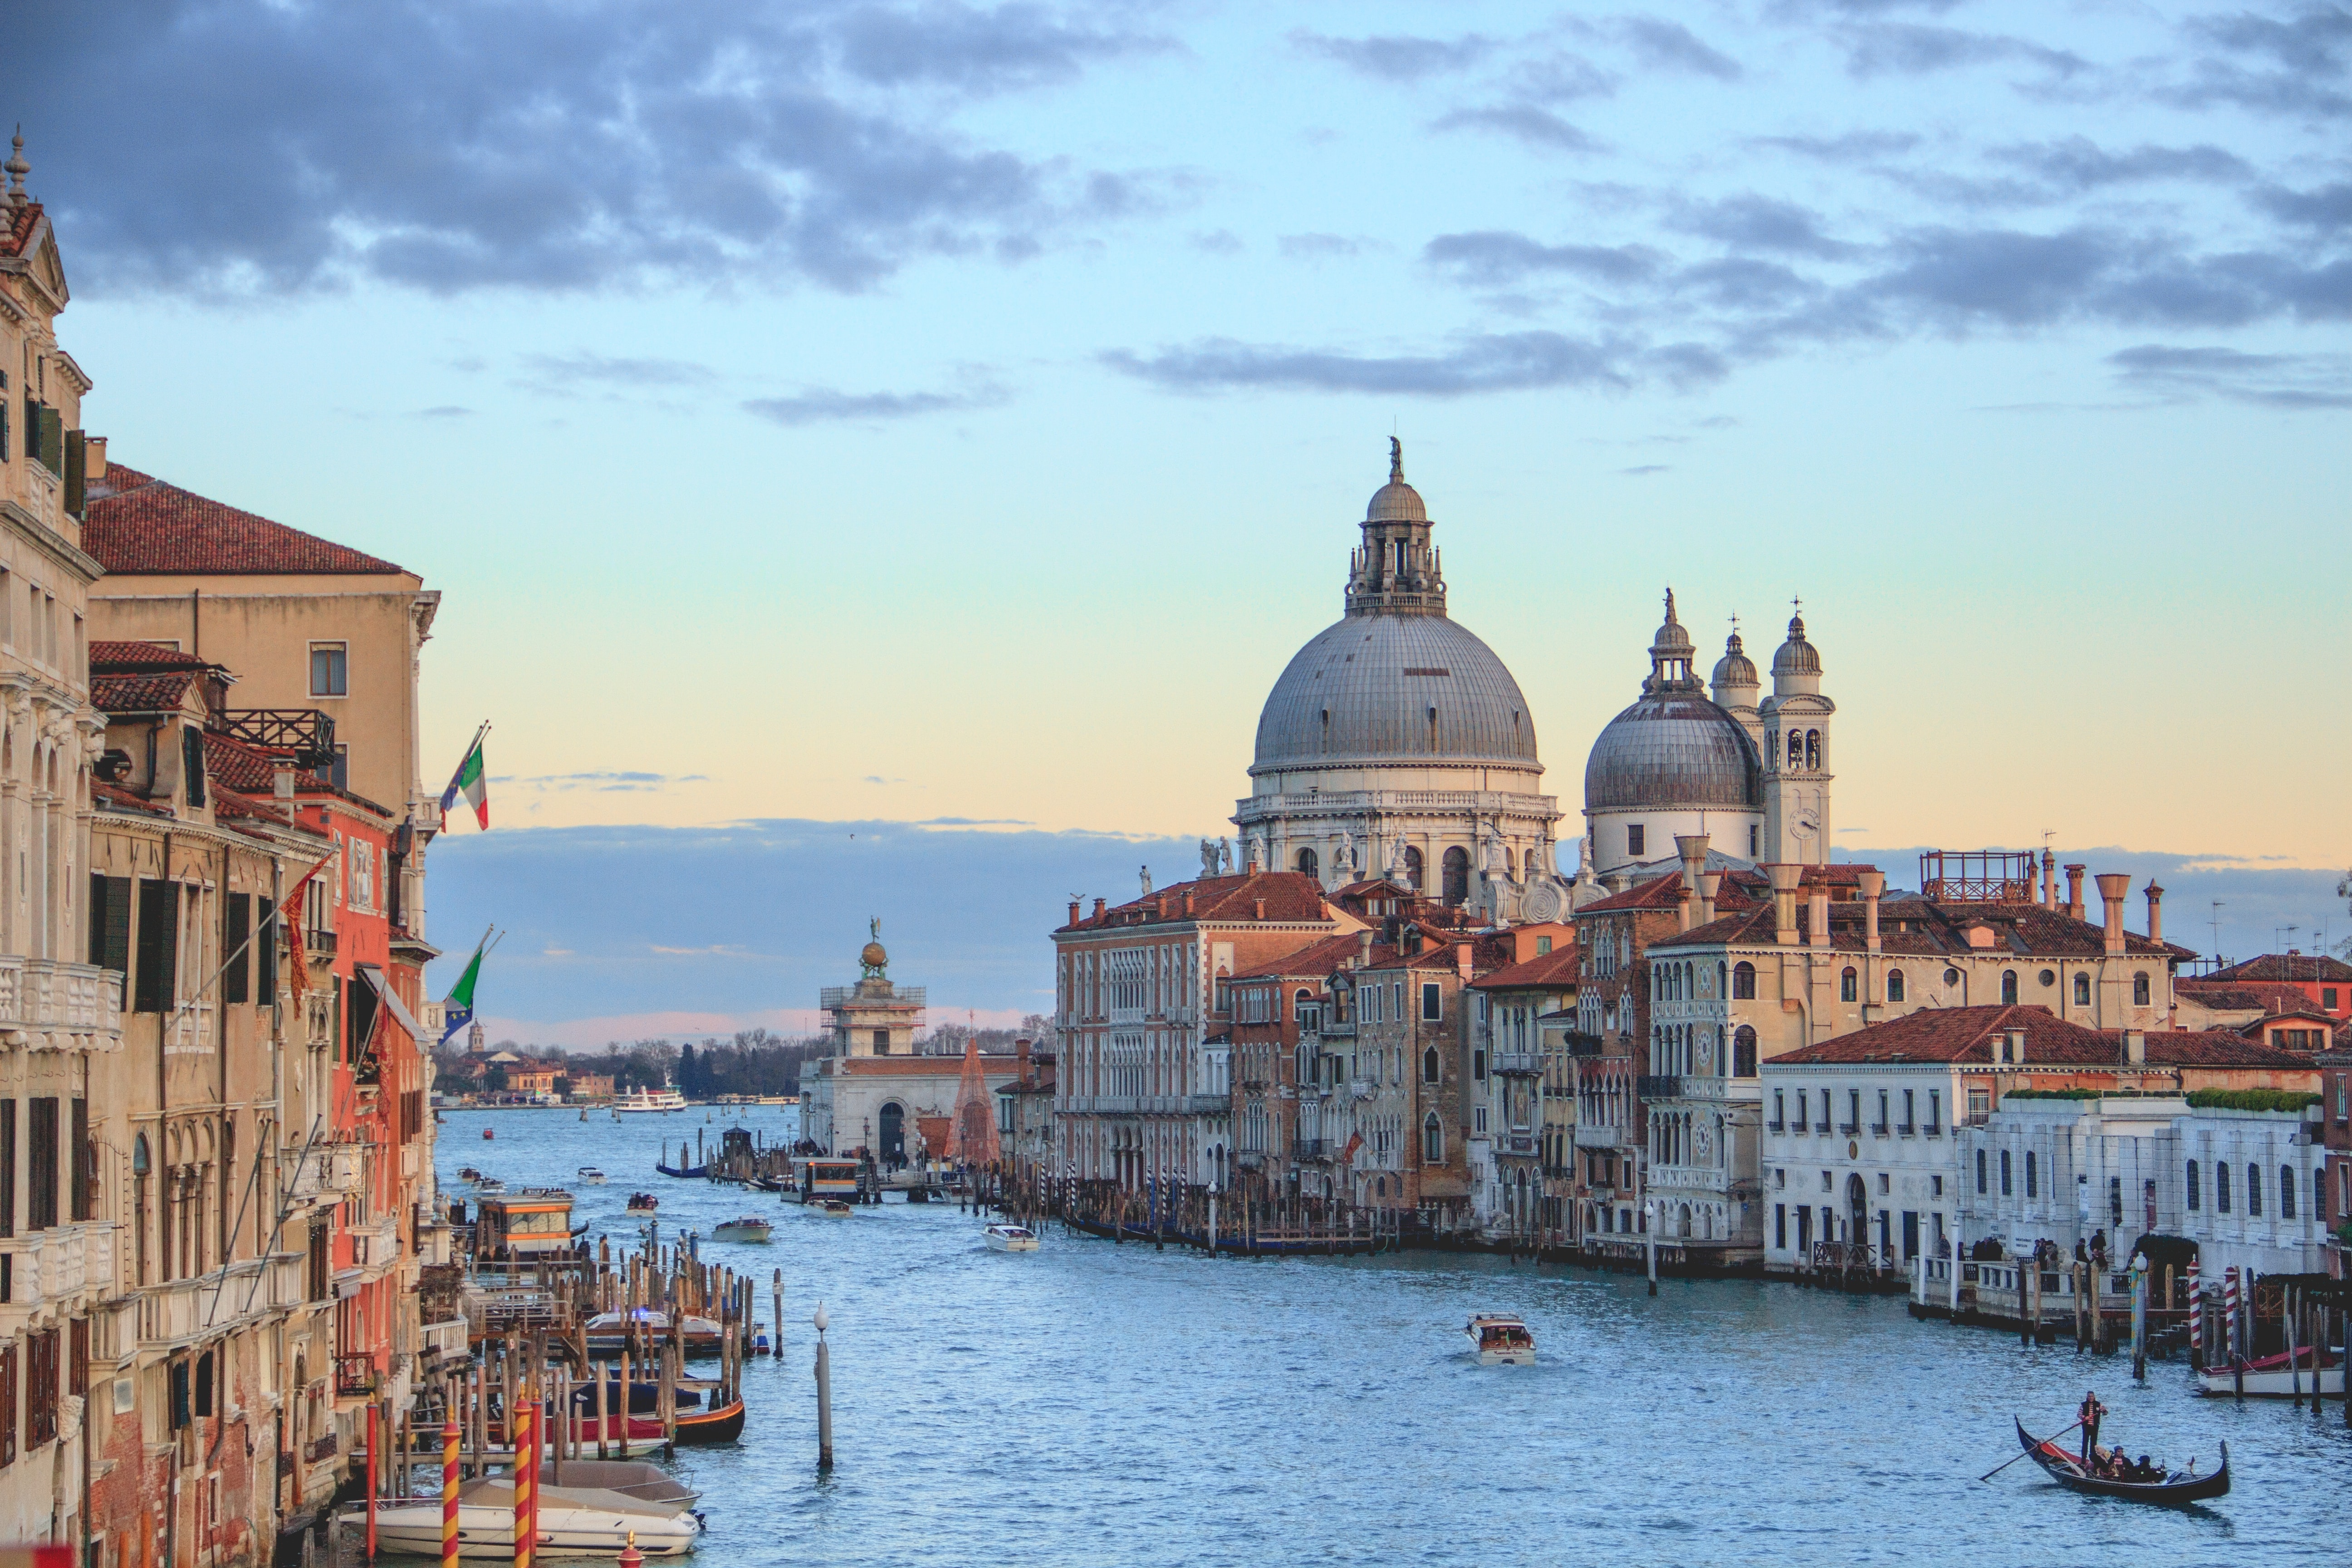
1758, 223
1318, 246
1011, 47
1492, 259
240, 147
2329, 206
443, 411
2276, 381
1854, 147
1492, 362
2302, 61
1642, 470
821, 404
1743, 285
1537, 127
2077, 165
1914, 48
1562, 76
1673, 46
586, 367
1218, 241
1397, 57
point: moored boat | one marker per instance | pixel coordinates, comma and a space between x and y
1011, 1238
573, 1522
2271, 1378
1501, 1340
2172, 1487
609, 1333
720, 1424
743, 1227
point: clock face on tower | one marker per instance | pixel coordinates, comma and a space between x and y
1804, 827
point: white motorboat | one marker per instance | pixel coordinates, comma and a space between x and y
573, 1522
640, 1100
743, 1227
589, 1176
834, 1208
1501, 1340
1011, 1238
489, 1187
2270, 1379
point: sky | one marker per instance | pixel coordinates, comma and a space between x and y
955, 415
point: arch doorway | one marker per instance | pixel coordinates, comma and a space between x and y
1307, 864
893, 1131
1682, 1221
1458, 875
1858, 1205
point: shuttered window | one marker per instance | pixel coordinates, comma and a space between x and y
8, 1404
41, 1163
264, 954
237, 980
110, 923
81, 1198
192, 762
158, 945
8, 1167
40, 1388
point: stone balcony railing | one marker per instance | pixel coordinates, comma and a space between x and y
330, 1170
53, 1266
181, 1311
375, 1246
1510, 1064
46, 996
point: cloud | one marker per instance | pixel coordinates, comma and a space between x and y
568, 371
2077, 165
2329, 206
1670, 46
442, 411
1852, 147
1511, 362
2298, 64
2270, 380
1758, 223
716, 949
1537, 127
1318, 246
233, 147
1494, 259
607, 780
823, 404
1218, 242
1642, 470
1396, 57
1916, 48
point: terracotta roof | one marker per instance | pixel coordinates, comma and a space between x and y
2216, 1048
1935, 932
2286, 967
1328, 956
1288, 895
1739, 890
109, 658
140, 693
138, 524
1967, 1034
1551, 970
238, 764
17, 233
2229, 998
123, 799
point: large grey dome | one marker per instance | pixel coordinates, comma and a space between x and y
1364, 689
1672, 749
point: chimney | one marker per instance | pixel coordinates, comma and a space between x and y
1819, 914
1686, 907
2134, 1048
1463, 964
2155, 912
1874, 883
2113, 886
1784, 903
2049, 881
1710, 884
1257, 909
2015, 1049
2074, 891
93, 458
1693, 847
1099, 907
1074, 911
1363, 947
281, 785
1021, 1061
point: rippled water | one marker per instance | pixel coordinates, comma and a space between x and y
1091, 1404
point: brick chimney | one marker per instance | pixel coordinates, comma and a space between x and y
2155, 912
1099, 905
2049, 881
2074, 891
1784, 903
1257, 909
1874, 883
1074, 911
2014, 1050
2113, 886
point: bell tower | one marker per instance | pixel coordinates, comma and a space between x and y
1796, 723
1396, 569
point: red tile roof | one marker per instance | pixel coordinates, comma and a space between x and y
1739, 890
2296, 967
1547, 971
238, 764
1916, 928
140, 693
109, 657
138, 524
115, 795
17, 233
2229, 998
2216, 1048
1314, 961
1967, 1034
1288, 896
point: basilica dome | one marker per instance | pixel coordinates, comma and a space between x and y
1395, 687
1673, 749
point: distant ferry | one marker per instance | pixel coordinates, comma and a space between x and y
650, 1100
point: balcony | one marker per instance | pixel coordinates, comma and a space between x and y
181, 1311
1250, 1159
1776, 1125
1515, 1063
1847, 1128
1878, 1130
1658, 1086
1204, 1105
1820, 1129
446, 1340
1363, 1088
306, 732
53, 1264
1905, 1129
1308, 1149
41, 993
329, 1170
1329, 1030
1581, 1045
1598, 1135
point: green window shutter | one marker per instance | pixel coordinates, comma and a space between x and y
265, 949
159, 945
77, 487
235, 977
53, 440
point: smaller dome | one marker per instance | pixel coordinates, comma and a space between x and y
1671, 640
1396, 502
1797, 657
1735, 667
873, 957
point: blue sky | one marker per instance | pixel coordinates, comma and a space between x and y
885, 413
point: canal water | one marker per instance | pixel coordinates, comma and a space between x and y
1093, 1404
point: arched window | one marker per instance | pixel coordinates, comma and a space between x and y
2139, 989
2009, 987
1812, 751
1846, 983
1458, 875
1743, 982
2286, 1192
1980, 1173
1432, 1141
2221, 1187
1411, 867
2193, 1200
1796, 749
2032, 1186
1743, 1052
2005, 1188
1722, 984
1895, 986
2254, 1190
1307, 862
1429, 1065
2082, 988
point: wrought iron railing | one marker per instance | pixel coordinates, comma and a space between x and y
306, 732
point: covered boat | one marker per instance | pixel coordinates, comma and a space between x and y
1501, 1340
2271, 1378
743, 1227
573, 1522
609, 1333
643, 1203
589, 1176
2173, 1487
1011, 1238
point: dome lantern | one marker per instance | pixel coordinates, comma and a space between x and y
1396, 571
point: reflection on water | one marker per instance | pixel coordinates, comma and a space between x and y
1090, 1404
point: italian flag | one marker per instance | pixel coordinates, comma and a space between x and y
467, 781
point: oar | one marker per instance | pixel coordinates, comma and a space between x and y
2022, 1453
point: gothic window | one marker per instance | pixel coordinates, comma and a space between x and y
1846, 983
1429, 1065
2082, 989
2032, 1187
2192, 1186
1796, 748
2286, 1192
1751, 841
2139, 989
1458, 875
1307, 862
1980, 1173
2254, 1189
1432, 1141
1895, 986
2221, 1187
2009, 987
1743, 982
2005, 1188
1411, 867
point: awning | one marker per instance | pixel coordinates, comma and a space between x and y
391, 999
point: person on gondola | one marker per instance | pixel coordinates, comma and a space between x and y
2090, 1415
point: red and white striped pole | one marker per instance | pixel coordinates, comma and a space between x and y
2229, 1310
2196, 1313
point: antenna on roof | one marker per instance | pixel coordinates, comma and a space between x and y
2216, 923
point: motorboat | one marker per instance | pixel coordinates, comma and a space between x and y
1010, 1238
743, 1227
2170, 1488
490, 1187
834, 1208
639, 1101
643, 1203
609, 1333
2271, 1378
589, 1176
573, 1522
1501, 1340
467, 1174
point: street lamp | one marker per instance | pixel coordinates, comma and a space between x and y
1650, 1240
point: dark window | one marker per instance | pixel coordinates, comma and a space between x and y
2009, 987
8, 1404
203, 1405
159, 945
81, 1197
2082, 990
40, 1388
2254, 1189
2139, 990
78, 1357
2286, 1192
1479, 1064
41, 1164
329, 673
1780, 1226
1751, 841
180, 1412
881, 1042
8, 1167
1743, 1052
192, 762
236, 979
264, 954
1895, 986
1980, 1173
1743, 982
2192, 1186
2005, 1188
361, 997
2221, 1187
1455, 870
110, 923
1846, 983
1432, 1002
1429, 1065
1633, 840
2032, 1186
1307, 864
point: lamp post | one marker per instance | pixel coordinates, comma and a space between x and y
1650, 1240
824, 1393
1212, 1216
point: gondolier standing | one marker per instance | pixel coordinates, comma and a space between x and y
2090, 1414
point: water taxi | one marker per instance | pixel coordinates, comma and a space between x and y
1011, 1238
819, 1177
834, 1208
639, 1100
643, 1203
589, 1176
743, 1227
1501, 1340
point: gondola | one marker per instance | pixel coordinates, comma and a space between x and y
2177, 1488
722, 1424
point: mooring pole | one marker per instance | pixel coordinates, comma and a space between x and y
824, 1394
